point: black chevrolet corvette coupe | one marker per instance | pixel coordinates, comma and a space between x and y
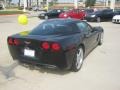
62, 43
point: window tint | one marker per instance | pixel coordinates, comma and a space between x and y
52, 11
107, 11
89, 10
84, 27
98, 12
76, 11
53, 28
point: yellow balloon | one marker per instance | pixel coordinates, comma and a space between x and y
22, 19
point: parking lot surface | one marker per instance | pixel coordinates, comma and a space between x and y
100, 71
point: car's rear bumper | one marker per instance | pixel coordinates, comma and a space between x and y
62, 59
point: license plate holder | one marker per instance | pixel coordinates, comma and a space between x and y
29, 52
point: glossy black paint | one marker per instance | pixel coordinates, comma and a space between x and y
51, 14
104, 15
69, 43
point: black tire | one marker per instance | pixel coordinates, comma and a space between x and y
78, 60
98, 19
101, 39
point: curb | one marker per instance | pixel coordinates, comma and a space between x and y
11, 14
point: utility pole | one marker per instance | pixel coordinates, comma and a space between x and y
112, 4
75, 4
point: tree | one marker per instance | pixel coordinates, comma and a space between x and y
30, 3
19, 3
27, 3
53, 2
9, 2
90, 3
37, 3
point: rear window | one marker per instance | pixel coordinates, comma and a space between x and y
53, 28
97, 12
89, 10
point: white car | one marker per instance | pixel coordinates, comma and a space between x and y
116, 19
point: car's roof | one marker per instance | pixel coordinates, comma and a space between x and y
56, 9
64, 20
105, 10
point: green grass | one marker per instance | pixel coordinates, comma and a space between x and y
10, 12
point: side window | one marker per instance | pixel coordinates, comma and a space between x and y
77, 11
74, 27
74, 11
104, 11
84, 27
108, 11
54, 11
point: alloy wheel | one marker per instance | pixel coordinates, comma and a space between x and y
79, 59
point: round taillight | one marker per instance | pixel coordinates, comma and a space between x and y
16, 42
10, 41
45, 45
55, 47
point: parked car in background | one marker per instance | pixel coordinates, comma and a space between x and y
36, 8
116, 19
74, 13
101, 15
50, 14
61, 43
